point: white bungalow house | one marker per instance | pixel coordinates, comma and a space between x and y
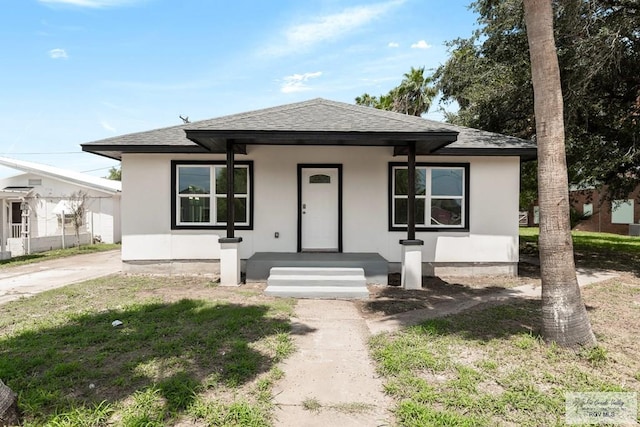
36, 207
319, 181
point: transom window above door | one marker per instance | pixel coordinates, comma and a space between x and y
441, 196
200, 194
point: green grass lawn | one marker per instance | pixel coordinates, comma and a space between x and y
187, 350
57, 253
597, 250
586, 240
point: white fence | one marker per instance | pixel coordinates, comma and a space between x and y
19, 246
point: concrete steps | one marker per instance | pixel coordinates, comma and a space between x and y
376, 268
317, 282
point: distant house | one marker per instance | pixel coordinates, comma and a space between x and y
36, 208
602, 215
594, 212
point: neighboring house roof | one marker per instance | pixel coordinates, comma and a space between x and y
315, 122
77, 178
9, 192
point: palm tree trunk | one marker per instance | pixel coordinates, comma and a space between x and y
9, 415
564, 316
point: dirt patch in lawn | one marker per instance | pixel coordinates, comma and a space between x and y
437, 291
197, 287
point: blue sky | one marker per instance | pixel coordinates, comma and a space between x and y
75, 71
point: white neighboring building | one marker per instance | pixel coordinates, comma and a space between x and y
36, 203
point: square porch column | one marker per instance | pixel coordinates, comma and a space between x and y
230, 261
411, 276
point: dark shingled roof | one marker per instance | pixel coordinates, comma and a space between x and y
315, 122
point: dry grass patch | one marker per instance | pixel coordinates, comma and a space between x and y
489, 366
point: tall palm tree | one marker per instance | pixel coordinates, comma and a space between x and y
414, 94
564, 316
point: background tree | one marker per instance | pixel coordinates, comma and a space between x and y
564, 316
115, 173
78, 203
488, 75
412, 96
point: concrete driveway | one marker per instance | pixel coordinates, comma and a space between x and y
30, 279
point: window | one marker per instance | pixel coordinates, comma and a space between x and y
622, 211
200, 194
441, 196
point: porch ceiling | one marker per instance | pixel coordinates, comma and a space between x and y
215, 140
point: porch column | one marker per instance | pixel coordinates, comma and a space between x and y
230, 245
231, 205
3, 230
411, 276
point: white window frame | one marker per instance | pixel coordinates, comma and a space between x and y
427, 197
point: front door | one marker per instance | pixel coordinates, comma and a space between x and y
320, 208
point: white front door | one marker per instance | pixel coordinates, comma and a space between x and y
319, 209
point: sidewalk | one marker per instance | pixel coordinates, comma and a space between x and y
332, 368
30, 279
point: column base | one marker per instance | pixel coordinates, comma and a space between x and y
411, 275
230, 261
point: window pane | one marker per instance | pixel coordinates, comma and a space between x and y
420, 208
446, 182
401, 179
622, 211
401, 211
195, 209
240, 210
194, 180
239, 177
446, 212
421, 181
400, 183
319, 179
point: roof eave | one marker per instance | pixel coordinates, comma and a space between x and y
114, 151
525, 153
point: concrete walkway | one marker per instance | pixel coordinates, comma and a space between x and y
30, 279
332, 368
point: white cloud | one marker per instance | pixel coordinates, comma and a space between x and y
421, 45
58, 54
297, 82
330, 27
393, 44
96, 4
106, 126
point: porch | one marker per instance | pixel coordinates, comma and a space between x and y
376, 268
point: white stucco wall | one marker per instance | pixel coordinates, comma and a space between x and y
103, 209
146, 207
